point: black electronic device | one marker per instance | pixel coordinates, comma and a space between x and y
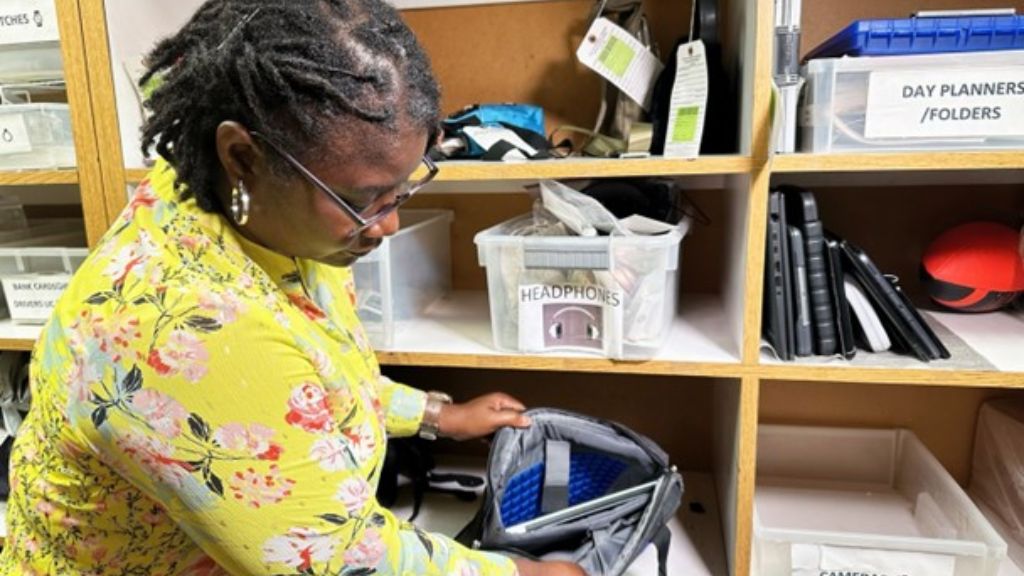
778, 320
802, 212
901, 318
802, 333
845, 343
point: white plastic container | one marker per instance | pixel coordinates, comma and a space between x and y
858, 501
34, 278
29, 41
611, 296
407, 273
31, 62
922, 102
36, 136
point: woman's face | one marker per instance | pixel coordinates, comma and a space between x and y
292, 216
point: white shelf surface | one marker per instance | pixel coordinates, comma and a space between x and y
11, 331
697, 547
987, 342
460, 324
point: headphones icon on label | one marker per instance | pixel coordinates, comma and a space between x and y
574, 324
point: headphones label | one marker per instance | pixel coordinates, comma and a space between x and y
571, 317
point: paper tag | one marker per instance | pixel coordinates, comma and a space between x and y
13, 134
615, 54
689, 102
948, 103
570, 317
32, 298
28, 21
812, 560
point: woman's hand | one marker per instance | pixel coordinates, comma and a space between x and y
531, 568
481, 416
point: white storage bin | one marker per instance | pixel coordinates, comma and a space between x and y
857, 501
34, 278
925, 102
29, 41
612, 296
407, 273
36, 136
997, 475
30, 62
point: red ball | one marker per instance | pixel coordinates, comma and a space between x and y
975, 267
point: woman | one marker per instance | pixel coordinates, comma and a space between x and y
205, 401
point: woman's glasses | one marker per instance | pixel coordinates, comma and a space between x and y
376, 211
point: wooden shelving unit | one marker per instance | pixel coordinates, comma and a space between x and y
899, 161
38, 177
715, 343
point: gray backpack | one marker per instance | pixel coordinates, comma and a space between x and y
577, 488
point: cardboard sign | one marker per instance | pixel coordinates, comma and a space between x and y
13, 135
579, 317
32, 297
815, 560
24, 21
951, 103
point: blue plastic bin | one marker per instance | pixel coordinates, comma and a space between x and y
931, 35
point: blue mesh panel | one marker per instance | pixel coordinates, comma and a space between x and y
590, 476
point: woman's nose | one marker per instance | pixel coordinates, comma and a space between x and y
386, 226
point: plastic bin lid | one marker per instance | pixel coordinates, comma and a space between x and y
924, 35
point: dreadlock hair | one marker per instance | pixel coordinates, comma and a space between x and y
289, 69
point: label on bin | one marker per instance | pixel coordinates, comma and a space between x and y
956, 103
570, 317
23, 21
31, 298
13, 134
815, 560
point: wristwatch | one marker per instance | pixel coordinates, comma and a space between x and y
430, 426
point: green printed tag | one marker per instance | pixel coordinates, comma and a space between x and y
616, 56
685, 127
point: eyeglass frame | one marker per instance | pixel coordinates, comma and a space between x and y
362, 224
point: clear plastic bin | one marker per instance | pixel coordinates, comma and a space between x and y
38, 61
407, 273
611, 296
36, 136
858, 501
997, 474
65, 232
34, 278
834, 113
12, 216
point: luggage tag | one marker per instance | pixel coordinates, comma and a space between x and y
689, 102
621, 59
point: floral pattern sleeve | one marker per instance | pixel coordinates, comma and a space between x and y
266, 465
203, 406
404, 406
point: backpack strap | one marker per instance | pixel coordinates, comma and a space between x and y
555, 494
662, 541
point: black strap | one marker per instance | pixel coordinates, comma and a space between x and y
662, 541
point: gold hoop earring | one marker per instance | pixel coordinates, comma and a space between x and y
240, 204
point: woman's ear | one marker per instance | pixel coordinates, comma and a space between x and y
238, 154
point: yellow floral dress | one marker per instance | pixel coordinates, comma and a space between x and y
201, 406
